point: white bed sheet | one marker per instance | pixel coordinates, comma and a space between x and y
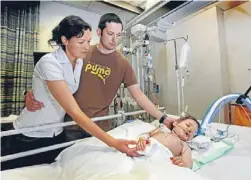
93, 160
37, 172
235, 165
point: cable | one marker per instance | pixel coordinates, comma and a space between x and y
232, 136
227, 136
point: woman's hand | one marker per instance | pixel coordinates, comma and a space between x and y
141, 145
122, 146
168, 122
177, 160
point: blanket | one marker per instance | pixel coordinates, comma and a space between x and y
91, 159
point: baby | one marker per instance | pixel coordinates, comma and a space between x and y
183, 130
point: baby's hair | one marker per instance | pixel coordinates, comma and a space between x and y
188, 117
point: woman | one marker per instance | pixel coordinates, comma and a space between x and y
56, 77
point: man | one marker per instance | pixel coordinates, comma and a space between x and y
103, 72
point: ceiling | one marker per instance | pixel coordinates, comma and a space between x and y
126, 13
137, 3
125, 9
128, 10
226, 5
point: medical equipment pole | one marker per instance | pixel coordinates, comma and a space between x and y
183, 111
138, 67
177, 77
177, 71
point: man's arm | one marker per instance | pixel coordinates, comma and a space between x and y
31, 103
147, 105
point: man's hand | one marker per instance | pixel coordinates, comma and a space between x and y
122, 146
168, 122
177, 160
31, 103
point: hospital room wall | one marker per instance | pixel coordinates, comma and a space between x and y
205, 82
220, 58
237, 29
51, 13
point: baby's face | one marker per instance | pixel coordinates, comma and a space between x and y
186, 129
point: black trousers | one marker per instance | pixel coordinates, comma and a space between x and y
74, 132
20, 143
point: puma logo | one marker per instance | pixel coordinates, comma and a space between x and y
98, 70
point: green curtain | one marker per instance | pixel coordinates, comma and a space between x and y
19, 39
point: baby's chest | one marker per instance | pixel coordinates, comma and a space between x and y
174, 144
176, 147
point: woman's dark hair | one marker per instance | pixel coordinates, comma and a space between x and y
108, 18
69, 27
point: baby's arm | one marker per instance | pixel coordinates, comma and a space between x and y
185, 159
144, 139
141, 144
187, 156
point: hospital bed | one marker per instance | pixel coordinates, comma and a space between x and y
91, 159
234, 165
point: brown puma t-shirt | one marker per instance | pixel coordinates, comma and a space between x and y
102, 75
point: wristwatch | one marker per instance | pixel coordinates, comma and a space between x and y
162, 118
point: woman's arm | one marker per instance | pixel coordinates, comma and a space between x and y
62, 94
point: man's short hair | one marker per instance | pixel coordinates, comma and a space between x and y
108, 18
